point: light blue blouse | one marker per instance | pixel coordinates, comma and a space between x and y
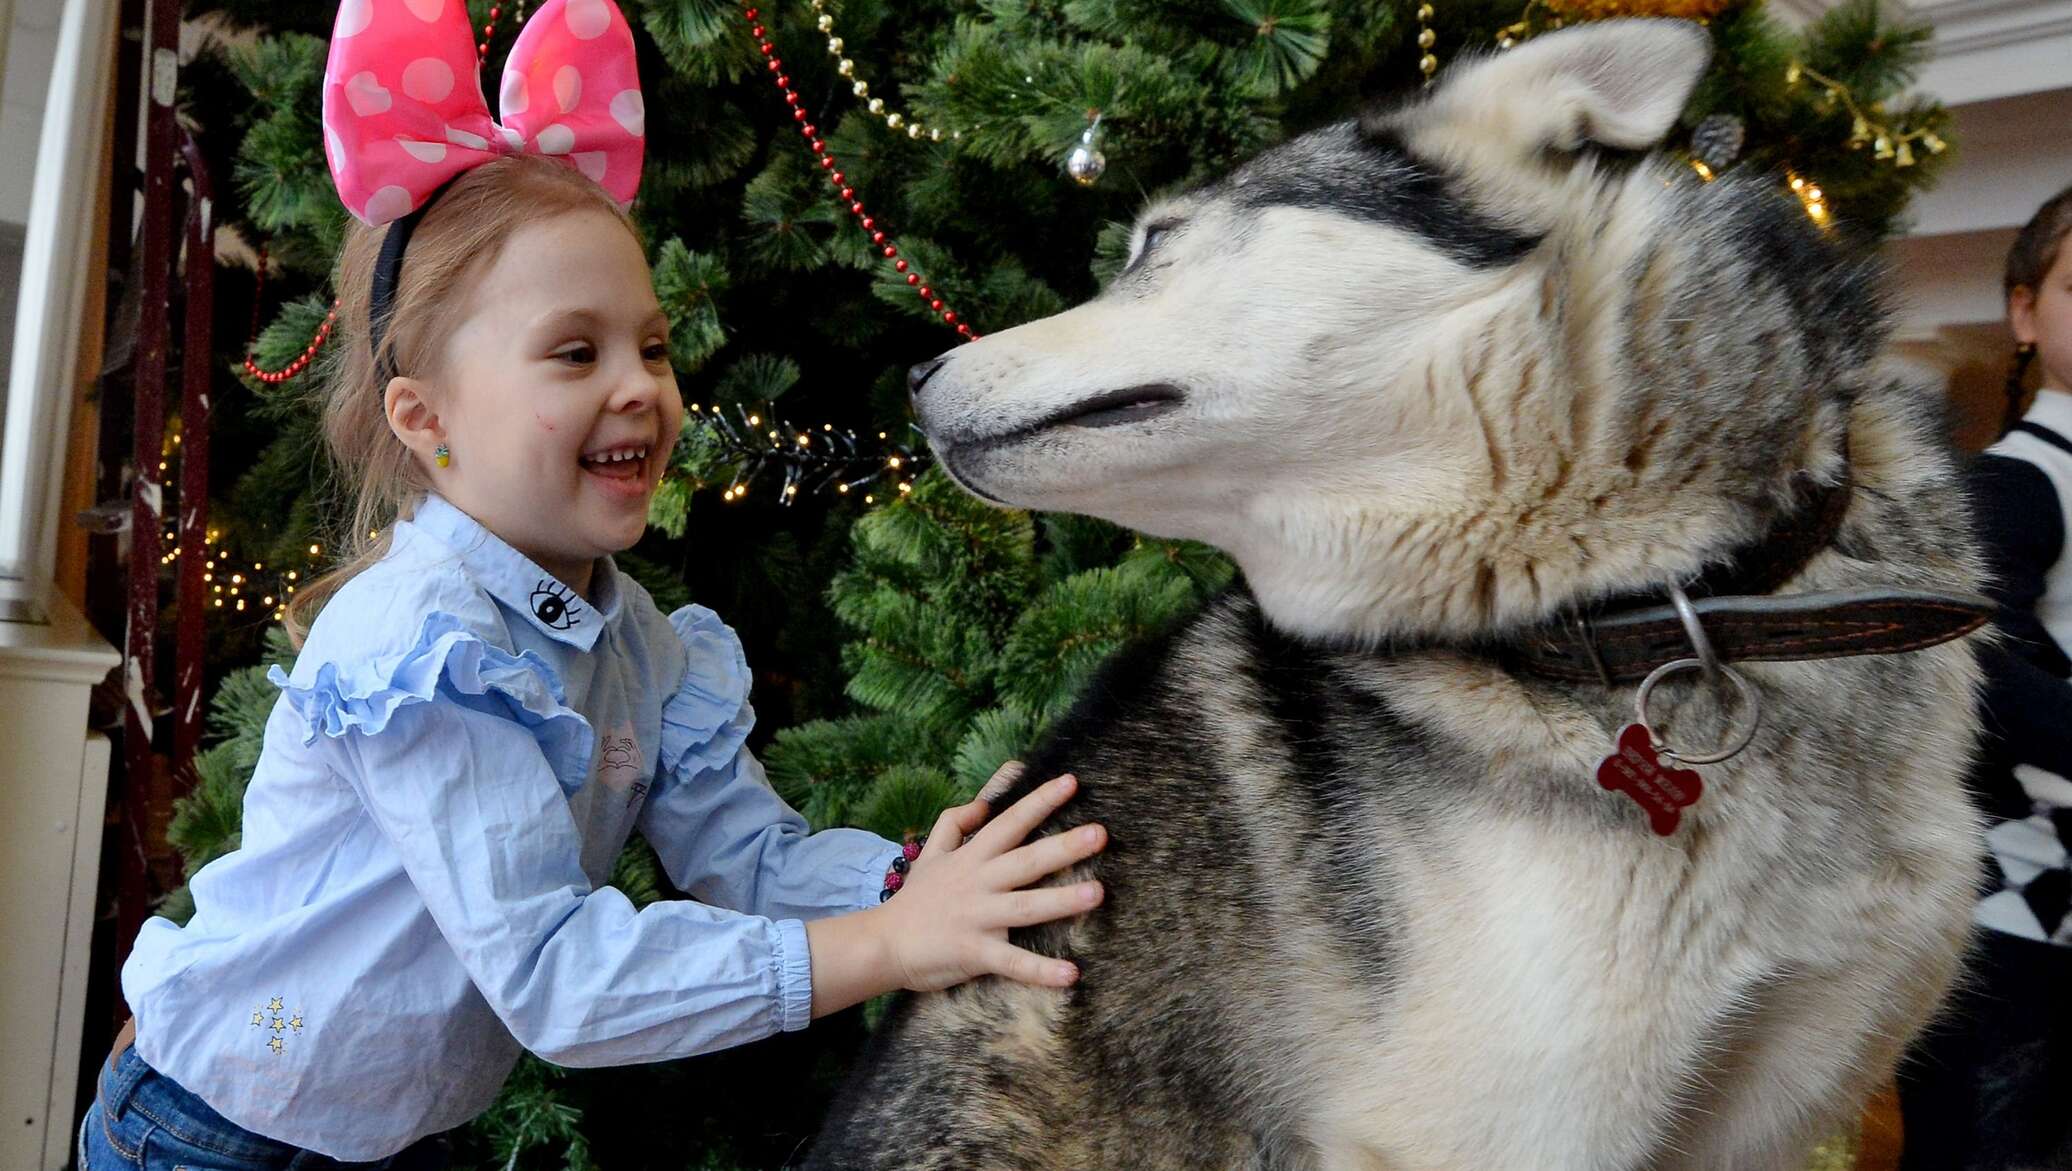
461, 751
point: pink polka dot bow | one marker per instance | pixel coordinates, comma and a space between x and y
404, 112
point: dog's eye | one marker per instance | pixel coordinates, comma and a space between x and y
1153, 233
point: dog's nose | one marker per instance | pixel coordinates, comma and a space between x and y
918, 376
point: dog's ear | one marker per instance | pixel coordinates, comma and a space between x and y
1613, 83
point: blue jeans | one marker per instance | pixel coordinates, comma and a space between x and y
142, 1120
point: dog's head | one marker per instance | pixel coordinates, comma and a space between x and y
1424, 372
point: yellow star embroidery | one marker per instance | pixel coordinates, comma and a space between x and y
277, 1017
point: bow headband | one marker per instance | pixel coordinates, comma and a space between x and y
404, 113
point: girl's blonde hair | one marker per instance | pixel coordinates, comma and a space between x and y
459, 237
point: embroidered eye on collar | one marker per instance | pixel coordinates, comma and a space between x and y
553, 604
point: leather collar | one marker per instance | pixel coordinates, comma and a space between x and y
1622, 639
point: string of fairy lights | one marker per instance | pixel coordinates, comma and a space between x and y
830, 457
237, 590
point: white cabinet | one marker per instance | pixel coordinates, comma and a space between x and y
53, 788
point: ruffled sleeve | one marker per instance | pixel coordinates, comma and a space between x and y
707, 719
722, 834
340, 694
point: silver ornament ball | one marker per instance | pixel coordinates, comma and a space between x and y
1085, 164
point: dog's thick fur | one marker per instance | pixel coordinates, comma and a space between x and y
1441, 374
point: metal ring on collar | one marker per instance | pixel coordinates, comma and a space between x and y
1749, 701
1695, 631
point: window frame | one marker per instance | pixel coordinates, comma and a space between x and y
57, 242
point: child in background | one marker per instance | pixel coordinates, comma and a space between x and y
1988, 1088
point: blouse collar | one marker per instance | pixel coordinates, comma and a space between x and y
517, 581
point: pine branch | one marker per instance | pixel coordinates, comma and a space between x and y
689, 285
907, 799
1071, 629
996, 736
1290, 39
827, 767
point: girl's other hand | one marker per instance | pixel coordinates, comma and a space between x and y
974, 880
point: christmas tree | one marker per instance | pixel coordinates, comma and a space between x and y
834, 191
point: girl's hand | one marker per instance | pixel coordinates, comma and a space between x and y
949, 922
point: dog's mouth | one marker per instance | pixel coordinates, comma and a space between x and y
965, 457
1131, 404
1110, 408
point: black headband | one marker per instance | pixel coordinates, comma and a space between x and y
388, 274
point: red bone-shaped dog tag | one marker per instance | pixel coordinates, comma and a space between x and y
1635, 769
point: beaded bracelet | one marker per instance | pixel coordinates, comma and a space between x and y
895, 875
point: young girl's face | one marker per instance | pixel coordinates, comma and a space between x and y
2043, 317
556, 394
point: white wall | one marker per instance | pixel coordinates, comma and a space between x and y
2004, 67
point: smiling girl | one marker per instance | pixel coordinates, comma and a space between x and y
483, 711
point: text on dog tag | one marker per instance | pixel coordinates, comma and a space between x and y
1635, 768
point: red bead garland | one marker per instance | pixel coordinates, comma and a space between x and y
309, 352
840, 181
495, 11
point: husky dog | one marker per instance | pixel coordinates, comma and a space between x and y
1434, 378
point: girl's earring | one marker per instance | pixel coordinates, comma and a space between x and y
441, 455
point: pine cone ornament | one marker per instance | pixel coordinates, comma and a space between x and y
1718, 140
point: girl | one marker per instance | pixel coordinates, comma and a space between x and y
485, 709
1987, 1090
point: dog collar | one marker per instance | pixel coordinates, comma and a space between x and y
1624, 639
